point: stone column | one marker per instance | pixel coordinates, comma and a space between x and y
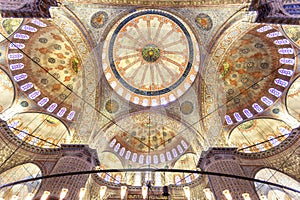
224, 160
74, 158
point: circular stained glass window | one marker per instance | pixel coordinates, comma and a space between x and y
150, 57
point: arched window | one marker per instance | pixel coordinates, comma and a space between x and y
137, 179
177, 180
188, 179
257, 107
118, 179
34, 141
14, 124
267, 101
260, 146
246, 149
107, 177
273, 140
22, 134
158, 179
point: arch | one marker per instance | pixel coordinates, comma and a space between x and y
241, 71
177, 179
24, 171
272, 192
39, 129
187, 161
131, 132
110, 161
292, 99
259, 134
7, 90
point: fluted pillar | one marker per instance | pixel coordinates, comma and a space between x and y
74, 158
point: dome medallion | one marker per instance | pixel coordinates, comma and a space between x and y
150, 57
150, 53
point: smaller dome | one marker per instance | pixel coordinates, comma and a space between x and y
259, 135
39, 129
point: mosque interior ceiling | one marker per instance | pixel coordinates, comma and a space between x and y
149, 86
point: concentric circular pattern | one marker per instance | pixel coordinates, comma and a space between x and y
150, 57
55, 65
24, 104
187, 107
99, 19
204, 21
255, 71
112, 106
275, 110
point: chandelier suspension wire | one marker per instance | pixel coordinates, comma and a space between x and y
98, 111
151, 170
162, 170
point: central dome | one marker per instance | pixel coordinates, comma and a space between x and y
150, 57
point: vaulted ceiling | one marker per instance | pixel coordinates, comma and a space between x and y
149, 87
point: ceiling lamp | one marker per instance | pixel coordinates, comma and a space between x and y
29, 196
82, 193
207, 193
63, 193
187, 192
102, 191
144, 191
123, 191
45, 195
227, 194
246, 196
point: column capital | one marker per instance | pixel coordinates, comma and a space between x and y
215, 154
